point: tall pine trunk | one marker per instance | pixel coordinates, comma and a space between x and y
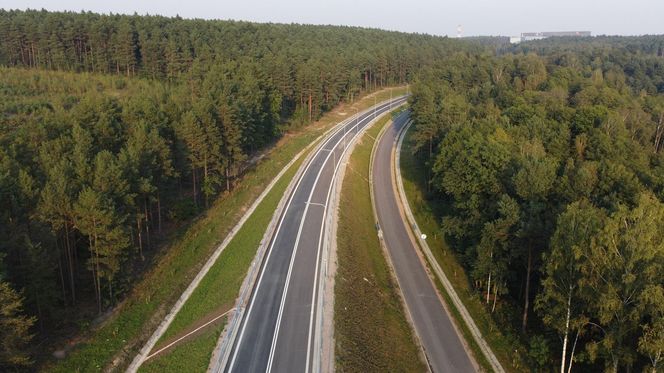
526, 304
205, 179
61, 272
659, 132
495, 296
488, 289
193, 175
70, 263
228, 179
140, 235
147, 225
310, 106
159, 211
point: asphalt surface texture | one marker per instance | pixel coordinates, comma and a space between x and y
277, 329
441, 343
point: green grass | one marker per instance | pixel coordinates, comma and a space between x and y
413, 173
189, 356
222, 283
372, 333
118, 340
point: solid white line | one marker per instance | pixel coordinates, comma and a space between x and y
187, 335
290, 268
281, 219
320, 238
246, 318
282, 304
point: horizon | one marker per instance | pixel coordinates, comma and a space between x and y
477, 18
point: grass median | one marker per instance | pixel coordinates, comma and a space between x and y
372, 333
428, 213
118, 339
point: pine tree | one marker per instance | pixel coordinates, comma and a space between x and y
14, 329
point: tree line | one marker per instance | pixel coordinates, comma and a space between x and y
115, 130
549, 170
312, 67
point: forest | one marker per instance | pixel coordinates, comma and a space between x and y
115, 130
544, 160
545, 164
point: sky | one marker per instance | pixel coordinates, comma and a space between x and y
441, 17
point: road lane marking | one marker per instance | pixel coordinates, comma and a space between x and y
320, 238
246, 318
287, 285
238, 343
282, 304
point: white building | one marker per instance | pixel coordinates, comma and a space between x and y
528, 36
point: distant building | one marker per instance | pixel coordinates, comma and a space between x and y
528, 36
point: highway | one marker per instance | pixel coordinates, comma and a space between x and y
277, 328
441, 343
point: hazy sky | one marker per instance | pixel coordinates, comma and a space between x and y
478, 17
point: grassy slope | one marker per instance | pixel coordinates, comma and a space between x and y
222, 284
414, 182
190, 356
371, 330
122, 335
219, 287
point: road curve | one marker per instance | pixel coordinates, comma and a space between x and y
441, 343
276, 331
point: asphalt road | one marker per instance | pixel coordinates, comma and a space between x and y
277, 329
442, 345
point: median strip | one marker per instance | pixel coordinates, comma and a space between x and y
372, 333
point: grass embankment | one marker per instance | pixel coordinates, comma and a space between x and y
371, 330
217, 291
191, 356
413, 173
122, 335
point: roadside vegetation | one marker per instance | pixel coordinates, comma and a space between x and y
151, 300
190, 356
220, 287
371, 331
218, 290
116, 132
543, 173
426, 211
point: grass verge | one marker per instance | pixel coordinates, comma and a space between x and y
190, 356
219, 288
413, 172
118, 339
372, 333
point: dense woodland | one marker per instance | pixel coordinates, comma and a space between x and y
546, 166
545, 161
115, 129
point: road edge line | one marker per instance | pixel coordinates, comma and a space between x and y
166, 322
220, 355
386, 254
222, 350
458, 304
329, 246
